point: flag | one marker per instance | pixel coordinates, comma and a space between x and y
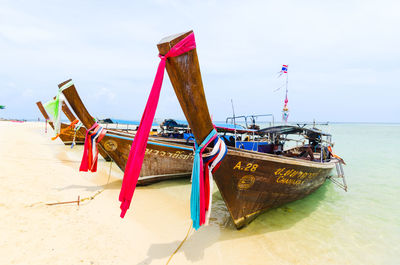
283, 70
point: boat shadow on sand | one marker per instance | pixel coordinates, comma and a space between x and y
114, 185
221, 227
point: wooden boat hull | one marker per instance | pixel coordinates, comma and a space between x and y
163, 159
67, 135
252, 183
81, 133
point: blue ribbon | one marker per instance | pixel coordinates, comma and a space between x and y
195, 193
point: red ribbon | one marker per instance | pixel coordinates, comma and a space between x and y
89, 159
136, 155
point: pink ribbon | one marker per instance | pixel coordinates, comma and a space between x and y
136, 155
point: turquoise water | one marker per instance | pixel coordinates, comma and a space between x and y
361, 226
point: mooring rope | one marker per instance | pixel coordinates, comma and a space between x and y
181, 244
89, 198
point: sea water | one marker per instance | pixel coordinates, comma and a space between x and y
360, 226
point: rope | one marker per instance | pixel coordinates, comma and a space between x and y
79, 199
109, 173
91, 197
181, 244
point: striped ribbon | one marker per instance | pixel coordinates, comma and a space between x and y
202, 182
78, 126
90, 150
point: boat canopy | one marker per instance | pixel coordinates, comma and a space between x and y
221, 127
290, 129
119, 121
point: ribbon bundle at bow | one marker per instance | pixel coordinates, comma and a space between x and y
72, 126
54, 107
136, 155
90, 150
202, 181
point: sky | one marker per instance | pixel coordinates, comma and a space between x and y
343, 56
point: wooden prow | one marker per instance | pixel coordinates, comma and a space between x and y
77, 105
44, 113
83, 115
71, 117
185, 76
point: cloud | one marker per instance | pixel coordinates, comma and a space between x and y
104, 94
339, 52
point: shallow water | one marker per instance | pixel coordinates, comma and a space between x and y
360, 226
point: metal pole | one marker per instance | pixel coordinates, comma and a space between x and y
234, 120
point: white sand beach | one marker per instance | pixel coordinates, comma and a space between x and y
36, 170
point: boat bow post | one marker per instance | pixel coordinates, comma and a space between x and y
184, 73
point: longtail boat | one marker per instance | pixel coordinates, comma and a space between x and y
250, 182
81, 131
66, 134
69, 135
163, 160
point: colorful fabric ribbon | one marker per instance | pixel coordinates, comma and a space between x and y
90, 150
202, 182
285, 111
53, 107
136, 155
72, 126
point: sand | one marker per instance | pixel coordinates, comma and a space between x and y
36, 170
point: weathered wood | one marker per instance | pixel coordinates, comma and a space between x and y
77, 105
70, 116
43, 111
81, 133
163, 159
185, 76
66, 136
250, 183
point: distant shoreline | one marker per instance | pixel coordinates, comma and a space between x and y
290, 123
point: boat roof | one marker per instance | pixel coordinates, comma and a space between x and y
226, 127
291, 129
119, 121
221, 127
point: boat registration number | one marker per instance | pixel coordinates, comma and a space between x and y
247, 167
